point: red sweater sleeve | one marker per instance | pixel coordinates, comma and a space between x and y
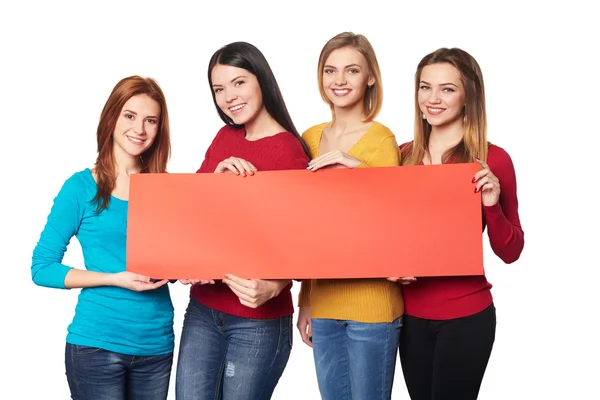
502, 219
293, 157
207, 164
204, 167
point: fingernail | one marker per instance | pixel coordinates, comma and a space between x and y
476, 190
477, 158
473, 180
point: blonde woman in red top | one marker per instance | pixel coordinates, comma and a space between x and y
450, 322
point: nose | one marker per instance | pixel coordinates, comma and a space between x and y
230, 96
340, 78
434, 96
140, 127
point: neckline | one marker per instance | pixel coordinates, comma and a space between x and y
243, 134
354, 149
112, 198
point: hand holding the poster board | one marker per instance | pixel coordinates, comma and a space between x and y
405, 281
488, 184
255, 292
334, 157
237, 166
196, 281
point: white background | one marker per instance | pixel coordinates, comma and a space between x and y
59, 62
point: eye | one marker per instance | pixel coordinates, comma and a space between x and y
448, 90
130, 116
328, 71
424, 87
217, 90
239, 83
152, 121
353, 71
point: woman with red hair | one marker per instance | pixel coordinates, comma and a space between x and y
120, 342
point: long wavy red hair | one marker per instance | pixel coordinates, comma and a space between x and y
154, 160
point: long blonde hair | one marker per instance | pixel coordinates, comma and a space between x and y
374, 95
474, 143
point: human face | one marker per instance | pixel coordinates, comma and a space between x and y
345, 77
137, 125
441, 94
237, 93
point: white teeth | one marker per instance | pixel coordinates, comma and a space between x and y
135, 139
238, 107
341, 91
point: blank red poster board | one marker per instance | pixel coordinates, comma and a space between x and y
332, 223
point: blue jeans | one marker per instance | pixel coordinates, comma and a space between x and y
97, 374
355, 360
222, 356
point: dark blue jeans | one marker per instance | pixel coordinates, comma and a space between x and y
222, 356
97, 374
355, 360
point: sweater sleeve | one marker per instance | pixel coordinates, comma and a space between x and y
297, 163
204, 167
62, 224
502, 219
304, 295
387, 154
291, 155
208, 166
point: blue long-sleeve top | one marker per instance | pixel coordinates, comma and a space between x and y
107, 317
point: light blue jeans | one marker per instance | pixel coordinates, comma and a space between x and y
355, 360
222, 356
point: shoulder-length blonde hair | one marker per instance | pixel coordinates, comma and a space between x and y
474, 143
153, 160
374, 94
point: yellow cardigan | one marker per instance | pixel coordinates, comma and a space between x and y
362, 300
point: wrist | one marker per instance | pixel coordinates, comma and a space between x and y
109, 279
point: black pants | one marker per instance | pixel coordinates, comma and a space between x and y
446, 360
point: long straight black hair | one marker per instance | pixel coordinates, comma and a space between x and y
246, 56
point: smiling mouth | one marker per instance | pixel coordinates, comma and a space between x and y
341, 92
237, 108
135, 140
434, 110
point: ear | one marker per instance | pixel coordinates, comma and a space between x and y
371, 81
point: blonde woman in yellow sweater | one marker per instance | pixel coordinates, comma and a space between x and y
353, 325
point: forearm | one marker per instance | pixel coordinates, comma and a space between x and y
78, 278
506, 238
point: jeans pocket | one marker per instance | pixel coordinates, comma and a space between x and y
85, 351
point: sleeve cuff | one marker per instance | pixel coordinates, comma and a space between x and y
492, 212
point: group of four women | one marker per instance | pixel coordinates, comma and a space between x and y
237, 333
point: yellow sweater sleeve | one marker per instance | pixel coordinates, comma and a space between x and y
304, 295
387, 154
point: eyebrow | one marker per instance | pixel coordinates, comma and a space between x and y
233, 80
133, 112
441, 84
347, 66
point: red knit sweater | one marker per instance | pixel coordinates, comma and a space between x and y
279, 152
442, 298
